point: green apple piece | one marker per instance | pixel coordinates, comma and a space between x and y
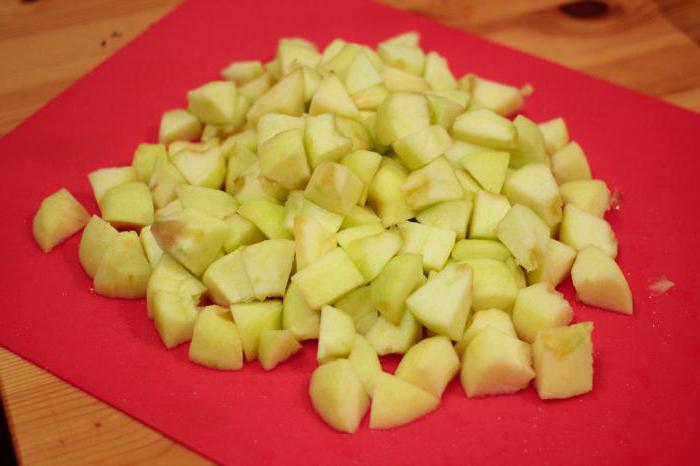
387, 338
341, 61
174, 318
432, 184
580, 229
214, 102
124, 270
171, 278
430, 365
254, 318
448, 215
540, 307
212, 202
457, 96
359, 216
269, 264
495, 363
228, 281
599, 281
334, 187
191, 237
563, 361
442, 304
336, 336
169, 209
365, 363
241, 232
356, 132
555, 134
593, 196
411, 38
292, 54
555, 264
397, 280
397, 80
364, 164
489, 209
370, 98
253, 187
397, 402
104, 179
328, 278
345, 237
385, 195
285, 97
274, 69
443, 111
493, 285
487, 318
405, 57
257, 87
358, 304
312, 79
486, 128
276, 346
461, 149
534, 186
371, 253
498, 97
311, 239
201, 165
297, 317
272, 124
570, 164
419, 149
437, 72
164, 181
59, 216
480, 249
433, 244
323, 141
361, 75
332, 97
268, 216
298, 205
242, 72
283, 159
94, 242
145, 159
338, 395
215, 340
178, 125
128, 205
488, 168
525, 235
150, 246
530, 147
401, 114
469, 184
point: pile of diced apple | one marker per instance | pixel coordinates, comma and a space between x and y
370, 200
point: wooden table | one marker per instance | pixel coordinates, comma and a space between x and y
45, 45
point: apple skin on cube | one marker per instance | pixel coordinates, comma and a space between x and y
285, 97
487, 318
269, 264
419, 149
430, 365
399, 115
359, 306
397, 402
486, 128
365, 363
334, 187
592, 196
254, 318
530, 147
534, 186
599, 281
570, 164
328, 278
432, 184
275, 347
178, 125
555, 264
493, 285
525, 235
336, 335
128, 205
338, 395
283, 159
145, 159
563, 361
312, 241
385, 195
434, 244
480, 249
94, 242
268, 216
332, 97
555, 134
297, 317
323, 141
488, 211
580, 229
227, 280
442, 304
364, 164
387, 338
123, 271
448, 215
397, 280
539, 307
215, 340
214, 102
371, 254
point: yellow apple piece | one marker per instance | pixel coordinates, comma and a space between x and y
534, 186
525, 235
480, 249
405, 57
164, 181
93, 243
433, 244
489, 209
432, 184
178, 125
292, 53
243, 71
430, 365
371, 253
269, 264
359, 306
555, 264
599, 281
555, 133
570, 164
487, 318
283, 159
297, 317
268, 216
359, 216
332, 97
370, 98
579, 229
364, 164
297, 205
201, 165
443, 111
419, 149
323, 141
501, 98
285, 97
397, 402
361, 75
128, 205
145, 158
241, 232
592, 196
437, 72
254, 88
385, 195
272, 124
486, 128
387, 338
275, 347
174, 317
59, 216
338, 396
228, 281
213, 202
312, 241
397, 80
487, 168
124, 270
397, 280
530, 148
214, 102
215, 340
401, 114
365, 363
448, 215
150, 246
104, 179
241, 161
493, 284
334, 187
336, 335
254, 318
539, 307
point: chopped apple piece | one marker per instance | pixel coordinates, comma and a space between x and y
328, 278
359, 306
534, 186
438, 73
354, 131
338, 395
361, 75
150, 246
323, 141
104, 179
387, 338
555, 264
178, 125
493, 285
297, 317
272, 124
371, 253
341, 60
489, 209
94, 242
227, 280
285, 97
385, 195
212, 202
215, 340
525, 235
164, 181
214, 103
269, 264
448, 215
539, 307
359, 216
580, 229
59, 216
201, 165
128, 205
292, 53
600, 282
267, 215
593, 196
488, 168
401, 114
243, 71
487, 318
430, 365
563, 360
255, 88
419, 149
443, 111
174, 317
555, 133
461, 149
411, 38
501, 98
334, 187
254, 318
283, 159
570, 164
275, 347
124, 270
397, 402
145, 159
370, 98
397, 80
530, 147
405, 57
364, 164
495, 363
457, 96
434, 244
336, 335
365, 363
397, 280
173, 279
311, 239
298, 205
241, 232
485, 128
332, 97
480, 249
434, 183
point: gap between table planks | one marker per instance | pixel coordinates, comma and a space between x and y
45, 45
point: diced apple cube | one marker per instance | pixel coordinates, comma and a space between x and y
365, 363
123, 271
359, 306
269, 264
419, 149
555, 264
593, 196
283, 159
443, 111
489, 209
370, 254
328, 278
128, 205
359, 216
488, 168
401, 114
540, 307
268, 216
201, 165
178, 125
243, 71
104, 179
345, 237
448, 215
336, 335
397, 402
285, 97
323, 141
298, 205
501, 98
94, 242
364, 164
432, 184
580, 229
530, 147
434, 244
215, 340
338, 395
254, 318
275, 347
292, 53
145, 159
570, 164
600, 282
387, 338
493, 285
332, 97
174, 317
534, 186
150, 246
480, 249
385, 195
397, 280
486, 128
334, 187
227, 280
555, 133
172, 278
164, 181
487, 318
430, 365
241, 232
339, 62
311, 239
525, 235
297, 317
437, 72
214, 102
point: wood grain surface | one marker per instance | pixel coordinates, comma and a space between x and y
45, 45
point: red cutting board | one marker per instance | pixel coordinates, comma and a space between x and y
645, 405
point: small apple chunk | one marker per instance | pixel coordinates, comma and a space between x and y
283, 159
488, 318
419, 149
493, 285
530, 147
488, 169
150, 246
178, 125
332, 97
364, 164
210, 201
480, 249
338, 395
255, 88
433, 244
268, 216
174, 317
359, 216
312, 241
495, 363
385, 195
254, 318
370, 254
525, 235
370, 98
442, 304
173, 279
359, 306
293, 52
145, 158
486, 128
365, 363
397, 402
599, 281
443, 111
228, 281
555, 264
534, 186
448, 215
272, 124
593, 196
336, 335
285, 97
241, 232
298, 205
555, 134
437, 72
539, 307
164, 181
501, 98
432, 184
269, 264
334, 187
275, 347
430, 365
401, 114
297, 317
361, 75
128, 205
215, 340
387, 338
242, 72
323, 141
94, 242
201, 165
570, 164
214, 103
124, 270
397, 280
104, 179
489, 209
563, 361
405, 57
580, 229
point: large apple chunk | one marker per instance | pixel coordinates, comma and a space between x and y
600, 282
570, 164
593, 196
371, 254
489, 209
433, 244
215, 340
419, 149
539, 307
448, 215
338, 396
385, 195
124, 270
328, 278
178, 125
396, 402
431, 184
494, 285
227, 280
283, 159
269, 264
430, 365
254, 318
297, 317
554, 265
59, 216
486, 128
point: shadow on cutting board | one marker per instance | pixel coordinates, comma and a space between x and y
7, 454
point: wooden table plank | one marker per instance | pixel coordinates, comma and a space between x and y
651, 46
